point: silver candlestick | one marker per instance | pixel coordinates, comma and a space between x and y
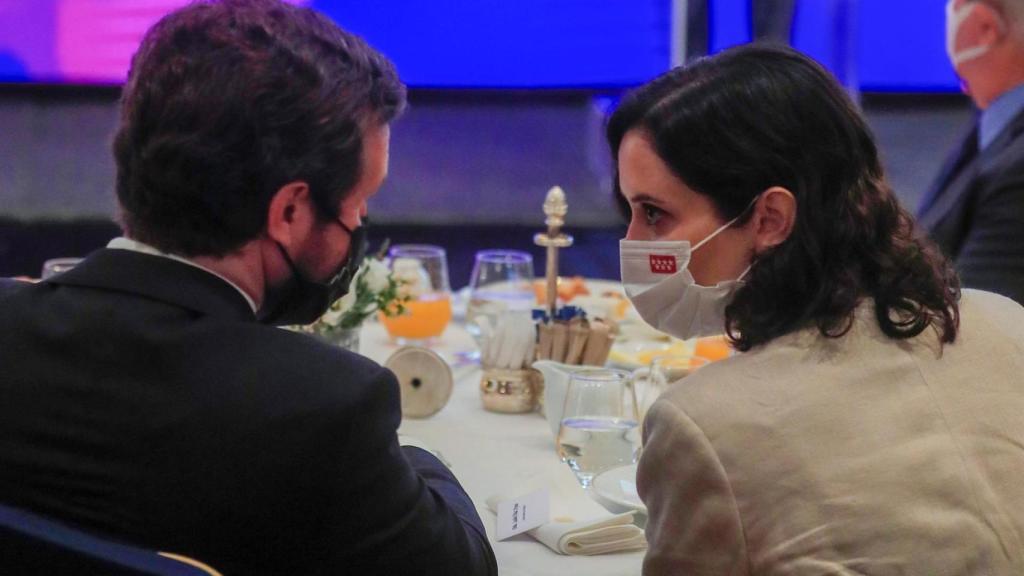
555, 208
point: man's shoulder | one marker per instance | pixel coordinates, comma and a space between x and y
284, 353
251, 376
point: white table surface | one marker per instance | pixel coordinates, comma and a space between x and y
488, 452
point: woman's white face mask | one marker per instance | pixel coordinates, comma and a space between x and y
657, 280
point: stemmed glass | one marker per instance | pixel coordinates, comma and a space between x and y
600, 423
502, 280
423, 271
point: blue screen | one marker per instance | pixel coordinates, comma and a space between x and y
499, 43
897, 44
906, 49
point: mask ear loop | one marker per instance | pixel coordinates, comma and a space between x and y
957, 18
726, 225
745, 272
288, 260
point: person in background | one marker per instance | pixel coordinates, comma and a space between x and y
147, 396
975, 208
872, 422
771, 21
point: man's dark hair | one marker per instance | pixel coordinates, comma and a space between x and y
226, 102
736, 124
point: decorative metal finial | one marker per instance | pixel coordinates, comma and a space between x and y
555, 208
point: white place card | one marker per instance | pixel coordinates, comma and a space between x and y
517, 515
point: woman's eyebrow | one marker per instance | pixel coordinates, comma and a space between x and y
642, 198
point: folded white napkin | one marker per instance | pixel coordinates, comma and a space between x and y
579, 525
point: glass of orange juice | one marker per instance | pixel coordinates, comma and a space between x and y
422, 271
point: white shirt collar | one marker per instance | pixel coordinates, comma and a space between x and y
122, 243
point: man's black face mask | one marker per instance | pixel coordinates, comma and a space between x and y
303, 301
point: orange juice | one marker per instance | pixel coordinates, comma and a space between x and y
713, 348
424, 318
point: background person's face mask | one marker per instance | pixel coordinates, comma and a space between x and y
955, 19
657, 280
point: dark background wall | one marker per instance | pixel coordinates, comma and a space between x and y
469, 170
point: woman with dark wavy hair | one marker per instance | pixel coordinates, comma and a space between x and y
874, 421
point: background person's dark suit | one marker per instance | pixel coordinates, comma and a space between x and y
140, 399
975, 211
770, 21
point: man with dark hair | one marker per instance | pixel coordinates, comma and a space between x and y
975, 209
145, 395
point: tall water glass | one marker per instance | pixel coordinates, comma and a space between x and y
600, 423
423, 272
501, 280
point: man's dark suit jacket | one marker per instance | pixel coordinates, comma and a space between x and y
139, 399
975, 211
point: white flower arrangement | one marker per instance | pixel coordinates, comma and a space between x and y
374, 288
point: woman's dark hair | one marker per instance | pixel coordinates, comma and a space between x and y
229, 100
733, 125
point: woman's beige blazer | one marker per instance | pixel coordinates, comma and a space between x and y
859, 455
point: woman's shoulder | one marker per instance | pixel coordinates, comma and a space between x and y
804, 363
734, 380
992, 316
802, 366
989, 303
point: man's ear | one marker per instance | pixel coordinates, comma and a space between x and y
774, 218
290, 215
992, 26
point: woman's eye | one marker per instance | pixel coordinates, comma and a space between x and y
651, 214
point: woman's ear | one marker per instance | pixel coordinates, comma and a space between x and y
290, 213
774, 218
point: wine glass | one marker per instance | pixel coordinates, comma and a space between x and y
55, 266
422, 271
502, 280
600, 423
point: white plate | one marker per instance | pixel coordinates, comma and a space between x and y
636, 351
618, 486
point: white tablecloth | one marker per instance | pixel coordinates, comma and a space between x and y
487, 452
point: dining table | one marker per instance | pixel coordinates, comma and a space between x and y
489, 452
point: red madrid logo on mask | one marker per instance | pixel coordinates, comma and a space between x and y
663, 264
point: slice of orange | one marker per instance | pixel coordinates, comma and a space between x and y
568, 288
713, 348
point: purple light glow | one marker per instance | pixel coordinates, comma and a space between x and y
80, 41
